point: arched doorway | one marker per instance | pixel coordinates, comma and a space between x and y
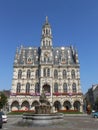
67, 105
77, 105
57, 105
25, 106
35, 103
15, 106
46, 88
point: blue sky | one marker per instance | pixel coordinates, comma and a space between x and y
73, 22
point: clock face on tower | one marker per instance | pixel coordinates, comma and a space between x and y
46, 54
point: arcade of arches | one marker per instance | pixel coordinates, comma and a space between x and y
25, 105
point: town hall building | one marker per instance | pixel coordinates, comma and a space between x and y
56, 70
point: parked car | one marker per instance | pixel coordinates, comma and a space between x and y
1, 122
95, 114
4, 116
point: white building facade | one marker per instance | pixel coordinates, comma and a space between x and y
54, 69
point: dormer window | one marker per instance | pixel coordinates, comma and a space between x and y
29, 60
63, 60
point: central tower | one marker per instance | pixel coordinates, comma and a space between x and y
46, 58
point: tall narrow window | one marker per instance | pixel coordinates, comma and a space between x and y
28, 88
74, 88
45, 59
73, 74
55, 74
37, 89
56, 87
28, 74
43, 43
49, 43
18, 88
65, 87
19, 74
64, 74
44, 72
48, 72
46, 42
46, 31
37, 73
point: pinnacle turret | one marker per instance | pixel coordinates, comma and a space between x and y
46, 34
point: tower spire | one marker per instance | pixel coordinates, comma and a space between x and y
46, 40
46, 19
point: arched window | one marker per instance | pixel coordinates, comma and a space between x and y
37, 73
73, 74
37, 89
18, 88
74, 88
55, 74
46, 72
19, 74
65, 87
63, 60
28, 88
48, 59
56, 87
46, 31
64, 74
49, 31
28, 74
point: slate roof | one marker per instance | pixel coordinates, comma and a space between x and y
24, 54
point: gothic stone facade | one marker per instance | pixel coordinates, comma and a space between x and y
54, 69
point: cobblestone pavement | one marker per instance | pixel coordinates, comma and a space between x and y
68, 123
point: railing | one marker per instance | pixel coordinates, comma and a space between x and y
47, 94
29, 94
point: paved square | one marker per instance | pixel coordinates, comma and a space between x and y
68, 123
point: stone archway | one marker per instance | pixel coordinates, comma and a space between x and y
25, 106
67, 105
15, 106
57, 105
46, 88
77, 105
35, 103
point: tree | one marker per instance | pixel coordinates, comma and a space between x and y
3, 100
